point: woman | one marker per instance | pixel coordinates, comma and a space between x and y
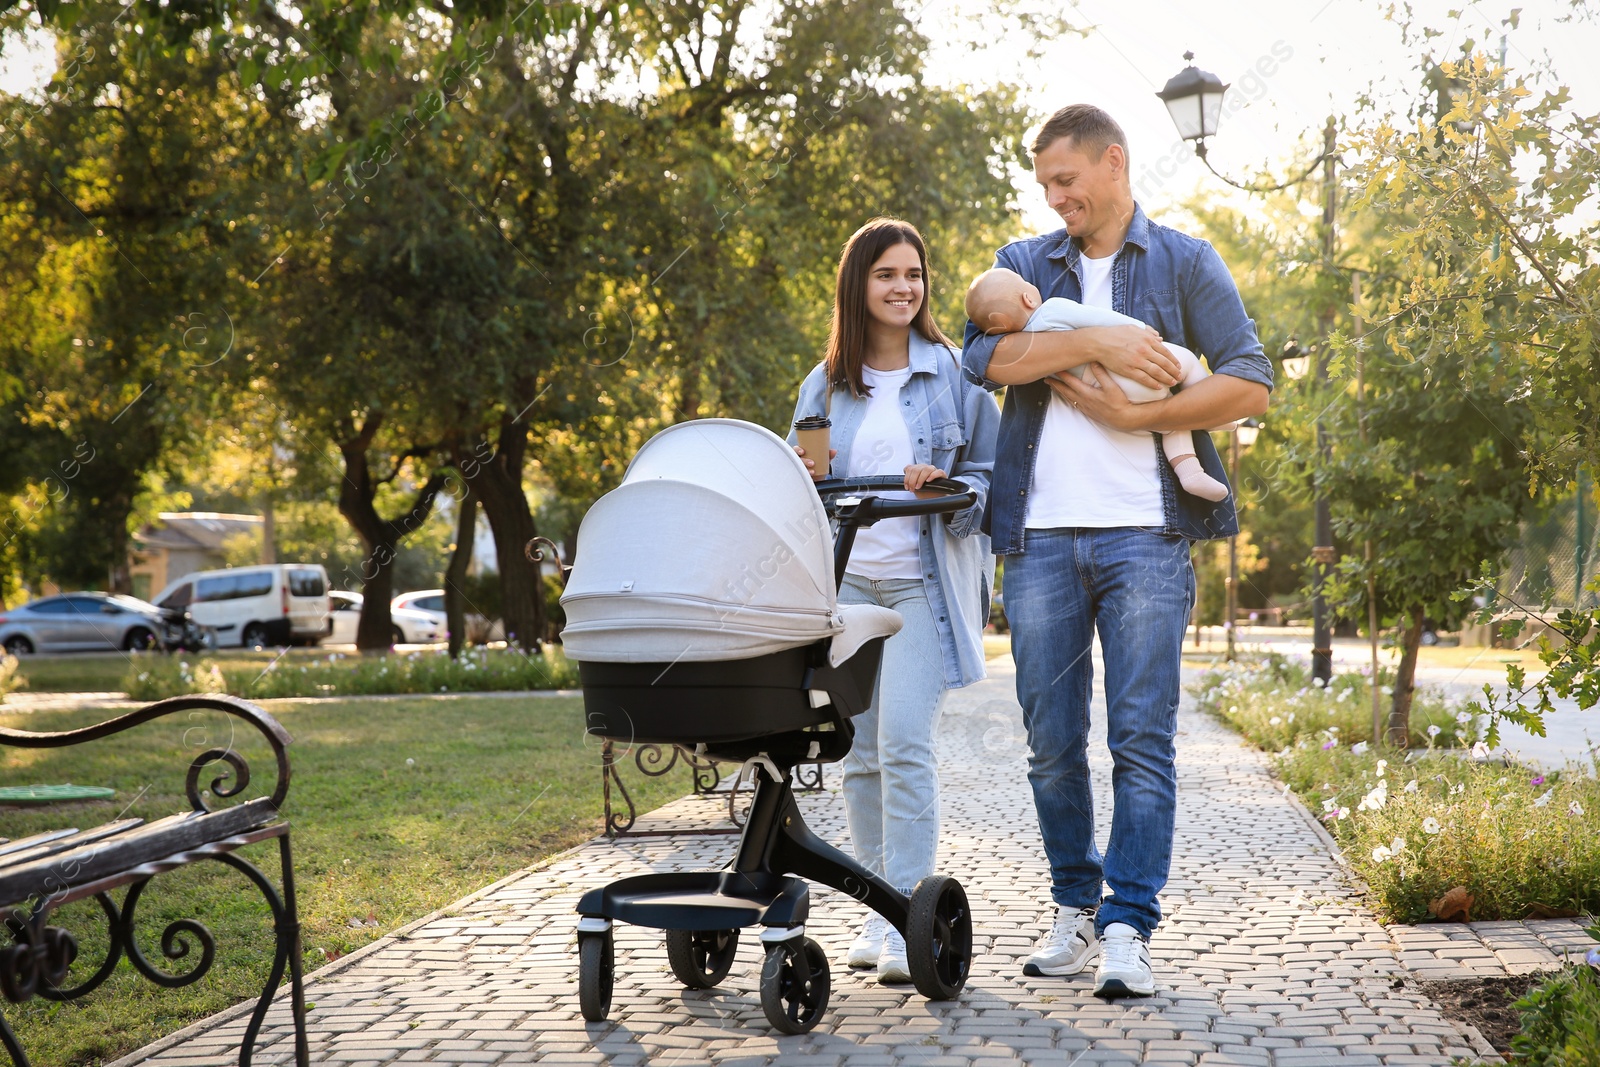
899, 404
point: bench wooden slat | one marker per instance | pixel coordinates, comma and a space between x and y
8, 847
57, 843
126, 848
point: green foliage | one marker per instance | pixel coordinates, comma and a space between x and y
477, 670
1569, 651
1560, 1020
112, 206
474, 233
1487, 289
1417, 825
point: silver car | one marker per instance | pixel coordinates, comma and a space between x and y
81, 622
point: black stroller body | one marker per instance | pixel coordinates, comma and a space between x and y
738, 649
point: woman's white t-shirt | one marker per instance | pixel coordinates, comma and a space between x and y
882, 446
1086, 474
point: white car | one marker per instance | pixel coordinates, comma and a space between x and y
479, 629
406, 627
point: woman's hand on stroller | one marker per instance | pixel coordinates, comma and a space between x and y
920, 474
811, 465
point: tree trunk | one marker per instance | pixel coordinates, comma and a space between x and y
357, 493
1398, 736
269, 530
120, 580
375, 627
495, 476
455, 574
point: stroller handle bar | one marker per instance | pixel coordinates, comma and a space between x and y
954, 496
848, 500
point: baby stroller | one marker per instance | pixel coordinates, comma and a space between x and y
702, 612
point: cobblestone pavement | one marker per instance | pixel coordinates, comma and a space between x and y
1266, 956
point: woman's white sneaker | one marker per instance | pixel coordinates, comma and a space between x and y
892, 966
1067, 948
1124, 964
864, 950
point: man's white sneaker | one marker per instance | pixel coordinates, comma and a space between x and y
868, 944
1124, 964
1067, 948
892, 966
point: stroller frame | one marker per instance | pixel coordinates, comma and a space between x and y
702, 912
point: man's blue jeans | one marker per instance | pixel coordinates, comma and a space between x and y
1136, 585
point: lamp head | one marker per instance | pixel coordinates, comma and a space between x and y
1194, 100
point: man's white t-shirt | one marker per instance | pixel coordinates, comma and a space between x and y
1087, 474
882, 446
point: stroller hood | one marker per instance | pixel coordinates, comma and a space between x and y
714, 547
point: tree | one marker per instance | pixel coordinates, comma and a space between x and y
1275, 257
114, 201
583, 261
1492, 279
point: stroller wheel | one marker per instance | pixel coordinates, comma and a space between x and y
939, 937
701, 958
595, 974
794, 985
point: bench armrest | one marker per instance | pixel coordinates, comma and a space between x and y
265, 724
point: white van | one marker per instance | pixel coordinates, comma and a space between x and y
253, 607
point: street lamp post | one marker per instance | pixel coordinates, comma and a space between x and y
1242, 437
1194, 100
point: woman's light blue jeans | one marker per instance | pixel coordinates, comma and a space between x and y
1136, 586
891, 781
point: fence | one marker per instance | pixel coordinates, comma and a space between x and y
1558, 555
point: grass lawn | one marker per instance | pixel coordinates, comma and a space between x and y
398, 808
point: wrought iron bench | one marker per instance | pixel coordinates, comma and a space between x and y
47, 871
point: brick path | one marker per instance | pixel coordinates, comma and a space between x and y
1266, 956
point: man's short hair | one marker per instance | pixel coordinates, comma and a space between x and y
1090, 128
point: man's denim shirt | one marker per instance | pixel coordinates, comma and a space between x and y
1176, 283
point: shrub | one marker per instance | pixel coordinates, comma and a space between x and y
10, 679
1561, 1019
1420, 824
337, 674
1273, 701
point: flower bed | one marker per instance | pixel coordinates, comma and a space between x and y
337, 674
1437, 830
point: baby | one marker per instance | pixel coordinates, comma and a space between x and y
1002, 301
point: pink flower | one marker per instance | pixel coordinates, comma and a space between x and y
1538, 780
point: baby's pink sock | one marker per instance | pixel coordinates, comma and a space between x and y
1196, 481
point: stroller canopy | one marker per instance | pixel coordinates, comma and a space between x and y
714, 547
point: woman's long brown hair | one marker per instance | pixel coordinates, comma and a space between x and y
847, 338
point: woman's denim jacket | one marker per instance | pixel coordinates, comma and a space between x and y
953, 424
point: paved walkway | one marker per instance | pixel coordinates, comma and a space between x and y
1266, 956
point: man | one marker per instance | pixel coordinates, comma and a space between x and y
1096, 531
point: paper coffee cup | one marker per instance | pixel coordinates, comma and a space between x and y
812, 432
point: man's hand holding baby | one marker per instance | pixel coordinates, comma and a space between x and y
1103, 400
1137, 353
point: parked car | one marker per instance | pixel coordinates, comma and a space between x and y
81, 622
479, 629
253, 607
407, 626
